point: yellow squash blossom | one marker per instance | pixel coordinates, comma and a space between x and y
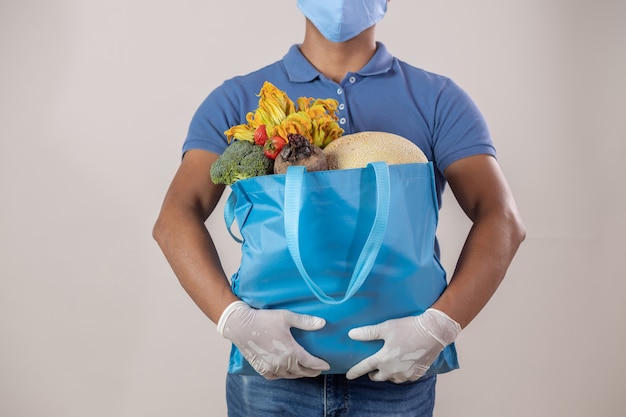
240, 132
324, 131
314, 119
298, 122
274, 107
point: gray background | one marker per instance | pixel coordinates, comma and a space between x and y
95, 100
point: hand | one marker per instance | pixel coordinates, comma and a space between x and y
265, 340
411, 345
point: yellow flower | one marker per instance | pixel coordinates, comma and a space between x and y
298, 122
303, 103
274, 106
240, 132
314, 119
324, 122
318, 106
325, 130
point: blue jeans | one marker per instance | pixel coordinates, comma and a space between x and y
328, 396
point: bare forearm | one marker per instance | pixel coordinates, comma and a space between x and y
483, 262
191, 253
184, 239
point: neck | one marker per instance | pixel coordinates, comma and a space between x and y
335, 60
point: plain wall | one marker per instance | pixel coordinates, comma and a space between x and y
95, 101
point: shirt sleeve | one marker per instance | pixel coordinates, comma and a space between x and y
460, 129
216, 114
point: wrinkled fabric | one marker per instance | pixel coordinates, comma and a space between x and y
328, 396
386, 95
338, 211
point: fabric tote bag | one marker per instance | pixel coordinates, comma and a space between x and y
353, 246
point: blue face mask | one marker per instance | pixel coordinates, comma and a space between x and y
341, 20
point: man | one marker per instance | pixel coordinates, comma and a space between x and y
340, 58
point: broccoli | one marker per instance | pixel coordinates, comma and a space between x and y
241, 160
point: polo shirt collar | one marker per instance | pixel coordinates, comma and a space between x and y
299, 69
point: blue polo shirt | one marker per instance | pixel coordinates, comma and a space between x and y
387, 95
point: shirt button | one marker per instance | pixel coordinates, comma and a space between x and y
342, 121
352, 79
339, 91
342, 106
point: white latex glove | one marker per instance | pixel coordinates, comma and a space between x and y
411, 345
265, 340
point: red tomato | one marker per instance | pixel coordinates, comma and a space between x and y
260, 135
273, 147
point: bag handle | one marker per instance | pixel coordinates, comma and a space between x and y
229, 215
365, 262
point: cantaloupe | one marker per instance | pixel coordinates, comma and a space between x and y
356, 150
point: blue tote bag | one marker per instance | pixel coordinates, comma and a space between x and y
353, 246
